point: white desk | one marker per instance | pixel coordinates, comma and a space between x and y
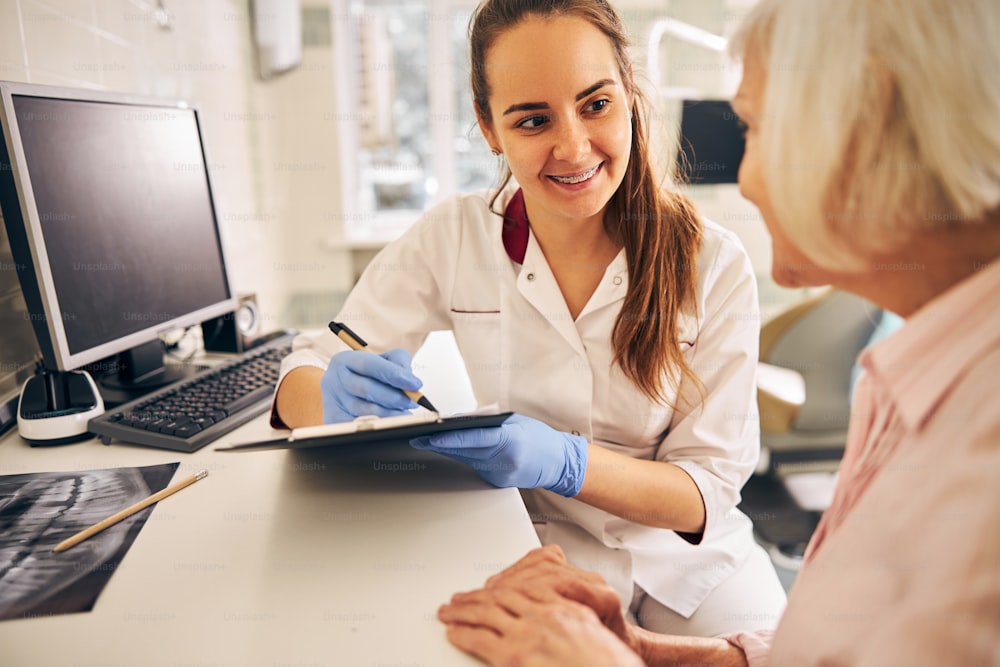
317, 557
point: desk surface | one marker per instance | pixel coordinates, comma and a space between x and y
313, 557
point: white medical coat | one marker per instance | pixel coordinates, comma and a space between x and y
525, 353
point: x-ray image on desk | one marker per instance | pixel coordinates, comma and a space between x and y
39, 510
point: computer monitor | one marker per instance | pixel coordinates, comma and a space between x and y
108, 207
711, 142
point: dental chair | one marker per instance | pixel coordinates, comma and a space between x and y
807, 355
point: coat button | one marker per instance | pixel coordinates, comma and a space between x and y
531, 276
617, 280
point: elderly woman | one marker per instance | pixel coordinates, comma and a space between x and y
873, 154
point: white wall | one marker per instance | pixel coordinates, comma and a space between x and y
204, 57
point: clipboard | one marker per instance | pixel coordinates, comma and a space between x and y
369, 429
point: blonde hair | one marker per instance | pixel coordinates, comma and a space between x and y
881, 118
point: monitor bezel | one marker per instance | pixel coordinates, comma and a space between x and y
49, 328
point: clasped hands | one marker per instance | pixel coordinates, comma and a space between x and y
522, 452
543, 612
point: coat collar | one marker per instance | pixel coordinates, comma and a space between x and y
515, 228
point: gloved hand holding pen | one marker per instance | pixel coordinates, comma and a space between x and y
522, 452
358, 383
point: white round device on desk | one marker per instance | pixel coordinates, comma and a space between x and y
55, 407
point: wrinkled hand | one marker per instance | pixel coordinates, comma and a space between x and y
543, 611
507, 627
361, 383
546, 569
521, 452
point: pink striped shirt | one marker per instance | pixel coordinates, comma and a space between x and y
904, 568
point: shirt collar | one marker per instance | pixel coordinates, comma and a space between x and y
517, 231
515, 228
919, 364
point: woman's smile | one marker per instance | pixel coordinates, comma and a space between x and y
577, 179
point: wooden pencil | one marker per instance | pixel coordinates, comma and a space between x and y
127, 512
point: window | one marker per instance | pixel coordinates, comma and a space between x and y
416, 138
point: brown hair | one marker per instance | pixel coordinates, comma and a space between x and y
659, 229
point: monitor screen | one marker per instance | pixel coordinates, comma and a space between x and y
109, 210
711, 144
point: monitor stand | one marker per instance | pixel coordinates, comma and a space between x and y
141, 370
55, 407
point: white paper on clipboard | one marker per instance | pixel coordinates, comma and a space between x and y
365, 423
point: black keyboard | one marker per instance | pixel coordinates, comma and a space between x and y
189, 414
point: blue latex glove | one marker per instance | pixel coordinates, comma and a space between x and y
521, 452
361, 383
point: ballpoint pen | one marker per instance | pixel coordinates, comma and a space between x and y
356, 342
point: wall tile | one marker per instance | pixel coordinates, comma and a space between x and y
59, 46
83, 11
124, 19
155, 57
11, 47
119, 70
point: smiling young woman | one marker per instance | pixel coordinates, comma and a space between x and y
579, 50
592, 301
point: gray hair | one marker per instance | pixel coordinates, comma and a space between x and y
881, 118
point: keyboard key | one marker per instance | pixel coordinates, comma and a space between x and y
187, 430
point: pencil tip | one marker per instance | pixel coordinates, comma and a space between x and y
427, 404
